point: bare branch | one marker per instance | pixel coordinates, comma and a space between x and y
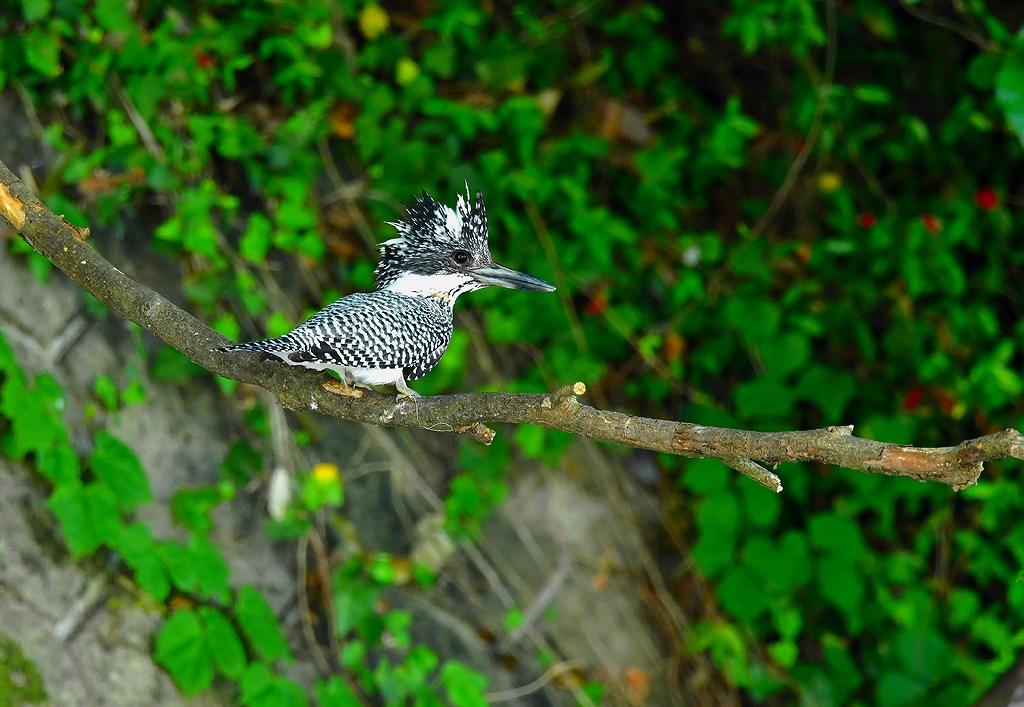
301, 389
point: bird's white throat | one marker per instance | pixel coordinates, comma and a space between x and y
444, 285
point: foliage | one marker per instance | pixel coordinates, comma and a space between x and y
628, 151
20, 681
215, 629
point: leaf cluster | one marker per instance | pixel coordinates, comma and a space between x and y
628, 152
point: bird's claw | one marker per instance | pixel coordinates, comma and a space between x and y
333, 385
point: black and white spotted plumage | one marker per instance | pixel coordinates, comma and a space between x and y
369, 330
399, 331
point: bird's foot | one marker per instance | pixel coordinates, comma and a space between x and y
407, 394
333, 385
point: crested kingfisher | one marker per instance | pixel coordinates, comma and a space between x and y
399, 331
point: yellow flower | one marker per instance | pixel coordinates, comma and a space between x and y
326, 473
373, 21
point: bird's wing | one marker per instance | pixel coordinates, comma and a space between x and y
377, 330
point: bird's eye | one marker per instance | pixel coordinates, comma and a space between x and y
461, 257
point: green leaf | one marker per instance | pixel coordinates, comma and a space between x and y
760, 508
829, 389
1010, 90
963, 606
785, 653
259, 624
531, 439
106, 390
88, 516
764, 399
42, 52
780, 567
845, 674
114, 17
353, 604
741, 595
513, 618
224, 643
382, 568
439, 58
35, 10
465, 686
787, 621
872, 93
717, 522
116, 464
706, 475
926, 654
101, 505
785, 353
191, 507
262, 688
322, 487
136, 545
59, 463
180, 564
182, 649
37, 426
68, 504
839, 536
336, 693
241, 463
753, 319
173, 366
211, 569
842, 586
895, 689
134, 393
257, 239
9, 365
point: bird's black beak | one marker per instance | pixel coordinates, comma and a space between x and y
501, 276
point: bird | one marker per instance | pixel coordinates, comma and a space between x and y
399, 331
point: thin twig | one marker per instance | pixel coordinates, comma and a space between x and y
545, 677
756, 472
305, 610
824, 93
931, 18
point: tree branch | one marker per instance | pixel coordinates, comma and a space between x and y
302, 389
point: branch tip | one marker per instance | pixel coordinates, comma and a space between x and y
758, 473
564, 395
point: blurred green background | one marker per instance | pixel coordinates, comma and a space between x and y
772, 215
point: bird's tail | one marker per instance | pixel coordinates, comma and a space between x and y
279, 344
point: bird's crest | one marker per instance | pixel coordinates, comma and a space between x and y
429, 236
